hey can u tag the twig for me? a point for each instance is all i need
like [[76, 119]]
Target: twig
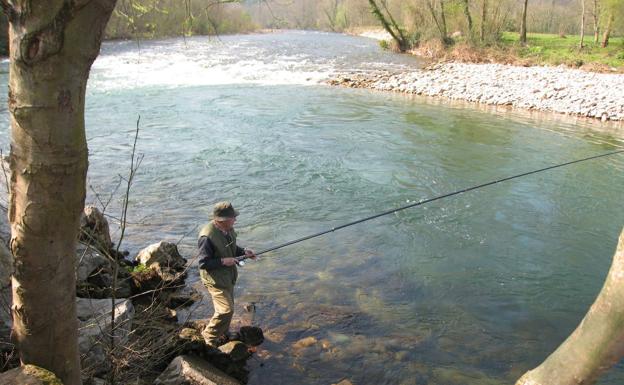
[[124, 216]]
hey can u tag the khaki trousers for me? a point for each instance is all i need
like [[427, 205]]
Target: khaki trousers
[[223, 301]]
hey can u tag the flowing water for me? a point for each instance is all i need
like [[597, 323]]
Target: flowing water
[[475, 289]]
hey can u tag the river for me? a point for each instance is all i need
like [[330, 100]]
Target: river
[[474, 289]]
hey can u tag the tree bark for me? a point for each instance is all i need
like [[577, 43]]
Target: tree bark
[[468, 17], [596, 15], [607, 32], [523, 24], [444, 30], [52, 46], [483, 20], [598, 341], [582, 44], [397, 34]]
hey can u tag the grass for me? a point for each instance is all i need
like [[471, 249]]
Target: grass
[[554, 50]]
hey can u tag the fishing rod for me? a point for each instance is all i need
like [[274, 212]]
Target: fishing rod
[[241, 259]]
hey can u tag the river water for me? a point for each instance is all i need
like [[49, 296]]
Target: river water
[[474, 289]]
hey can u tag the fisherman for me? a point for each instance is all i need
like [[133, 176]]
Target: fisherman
[[217, 269]]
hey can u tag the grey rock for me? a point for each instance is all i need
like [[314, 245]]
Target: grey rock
[[88, 261], [94, 318], [237, 350], [161, 255], [94, 229], [189, 370]]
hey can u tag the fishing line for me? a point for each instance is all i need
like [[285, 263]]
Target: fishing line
[[424, 201]]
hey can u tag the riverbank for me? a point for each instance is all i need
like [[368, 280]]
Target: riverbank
[[552, 89]]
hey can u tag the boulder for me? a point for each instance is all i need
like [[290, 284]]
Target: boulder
[[88, 262], [94, 276], [94, 229], [161, 256], [237, 350], [165, 268], [29, 375], [94, 317], [193, 371]]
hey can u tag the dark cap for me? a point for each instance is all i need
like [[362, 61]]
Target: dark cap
[[224, 210]]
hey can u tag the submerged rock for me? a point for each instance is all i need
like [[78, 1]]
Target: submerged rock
[[193, 371], [251, 335]]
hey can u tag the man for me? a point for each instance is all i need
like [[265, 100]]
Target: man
[[217, 269]]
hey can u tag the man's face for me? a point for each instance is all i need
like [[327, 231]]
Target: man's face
[[228, 224]]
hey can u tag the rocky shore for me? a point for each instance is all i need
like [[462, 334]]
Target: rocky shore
[[552, 89], [151, 344]]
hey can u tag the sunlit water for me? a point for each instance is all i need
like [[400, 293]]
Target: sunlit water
[[474, 289]]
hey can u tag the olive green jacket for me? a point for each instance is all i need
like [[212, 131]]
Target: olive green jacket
[[224, 276]]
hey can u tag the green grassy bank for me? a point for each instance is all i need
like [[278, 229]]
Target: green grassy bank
[[554, 49]]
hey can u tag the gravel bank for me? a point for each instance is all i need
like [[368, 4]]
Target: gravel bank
[[557, 89]]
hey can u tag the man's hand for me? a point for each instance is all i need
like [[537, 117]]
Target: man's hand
[[228, 261], [250, 254]]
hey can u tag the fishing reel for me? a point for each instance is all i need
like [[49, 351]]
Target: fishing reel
[[240, 261]]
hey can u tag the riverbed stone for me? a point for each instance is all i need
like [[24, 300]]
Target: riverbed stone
[[542, 88], [189, 370]]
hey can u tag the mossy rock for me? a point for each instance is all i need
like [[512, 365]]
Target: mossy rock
[[29, 375]]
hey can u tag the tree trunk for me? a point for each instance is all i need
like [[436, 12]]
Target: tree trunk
[[444, 29], [52, 46], [596, 22], [397, 35], [551, 19], [468, 17], [523, 24], [483, 20], [598, 341], [581, 44], [607, 32]]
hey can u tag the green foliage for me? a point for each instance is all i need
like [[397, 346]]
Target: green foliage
[[553, 49], [158, 18], [384, 44], [140, 268]]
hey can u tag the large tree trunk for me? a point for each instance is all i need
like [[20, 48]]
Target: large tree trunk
[[607, 32], [52, 46], [523, 24], [598, 341]]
